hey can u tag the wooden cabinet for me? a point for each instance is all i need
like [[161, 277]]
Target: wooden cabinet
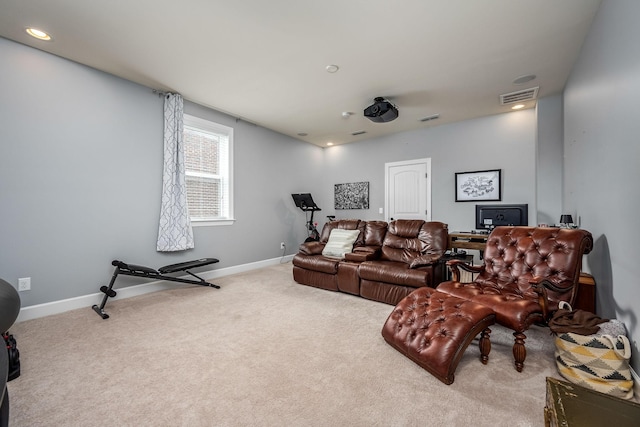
[[570, 405]]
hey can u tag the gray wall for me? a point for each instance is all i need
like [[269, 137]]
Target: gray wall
[[81, 172], [506, 141], [602, 157], [549, 159]]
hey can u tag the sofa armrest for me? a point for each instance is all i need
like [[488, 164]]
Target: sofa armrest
[[311, 248], [424, 260], [363, 253]]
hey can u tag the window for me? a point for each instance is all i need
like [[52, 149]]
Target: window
[[208, 152]]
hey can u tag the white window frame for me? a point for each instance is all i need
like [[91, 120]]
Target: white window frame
[[208, 126]]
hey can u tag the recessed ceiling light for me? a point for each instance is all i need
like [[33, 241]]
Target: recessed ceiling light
[[332, 68], [517, 107], [39, 34], [302, 134], [346, 114], [329, 144], [524, 79]]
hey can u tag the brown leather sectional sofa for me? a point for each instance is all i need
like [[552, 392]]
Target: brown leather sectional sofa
[[388, 261]]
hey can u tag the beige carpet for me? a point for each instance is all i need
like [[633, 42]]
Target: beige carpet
[[261, 351]]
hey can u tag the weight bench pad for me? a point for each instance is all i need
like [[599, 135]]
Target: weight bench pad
[[185, 265], [434, 329], [133, 267]]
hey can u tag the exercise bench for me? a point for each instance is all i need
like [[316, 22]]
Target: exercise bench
[[150, 273]]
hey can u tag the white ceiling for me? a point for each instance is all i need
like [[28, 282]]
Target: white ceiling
[[264, 61]]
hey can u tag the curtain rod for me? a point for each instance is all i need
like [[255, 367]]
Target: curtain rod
[[160, 93], [238, 119]]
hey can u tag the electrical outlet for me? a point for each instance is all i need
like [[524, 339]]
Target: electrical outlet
[[24, 284], [281, 245]]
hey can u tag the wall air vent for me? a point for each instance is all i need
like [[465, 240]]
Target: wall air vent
[[429, 118], [358, 132], [519, 96]]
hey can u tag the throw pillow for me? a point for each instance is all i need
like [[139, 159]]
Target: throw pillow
[[340, 242]]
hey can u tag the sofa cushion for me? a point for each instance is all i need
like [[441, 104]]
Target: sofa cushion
[[316, 263], [401, 242], [311, 248], [397, 273], [374, 233], [340, 242], [343, 224], [513, 309]]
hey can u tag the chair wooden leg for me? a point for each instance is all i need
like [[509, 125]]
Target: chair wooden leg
[[519, 351], [485, 346]]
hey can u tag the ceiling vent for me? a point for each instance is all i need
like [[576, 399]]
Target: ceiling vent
[[429, 118], [519, 96], [359, 132]]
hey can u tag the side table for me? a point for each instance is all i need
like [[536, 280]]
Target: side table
[[586, 296]]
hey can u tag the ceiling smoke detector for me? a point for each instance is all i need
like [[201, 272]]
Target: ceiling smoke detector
[[524, 79]]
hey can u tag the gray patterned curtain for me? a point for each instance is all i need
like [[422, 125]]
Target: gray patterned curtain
[[174, 232]]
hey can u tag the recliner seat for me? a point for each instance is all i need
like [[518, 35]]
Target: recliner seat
[[526, 272]]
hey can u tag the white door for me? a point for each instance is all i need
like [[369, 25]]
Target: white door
[[408, 190]]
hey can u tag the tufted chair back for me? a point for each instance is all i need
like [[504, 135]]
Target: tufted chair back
[[408, 239], [516, 255]]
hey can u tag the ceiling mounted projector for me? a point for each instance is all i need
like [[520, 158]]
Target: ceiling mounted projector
[[381, 111]]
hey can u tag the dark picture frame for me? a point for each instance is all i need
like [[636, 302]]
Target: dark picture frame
[[477, 186]]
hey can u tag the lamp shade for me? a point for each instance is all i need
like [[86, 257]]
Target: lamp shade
[[566, 219]]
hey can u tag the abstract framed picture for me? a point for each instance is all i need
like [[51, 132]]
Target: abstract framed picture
[[354, 195], [479, 186]]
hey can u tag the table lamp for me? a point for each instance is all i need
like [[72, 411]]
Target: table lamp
[[566, 219]]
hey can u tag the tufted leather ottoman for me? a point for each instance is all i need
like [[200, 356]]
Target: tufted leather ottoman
[[434, 329]]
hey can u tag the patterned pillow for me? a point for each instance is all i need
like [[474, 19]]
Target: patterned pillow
[[340, 242]]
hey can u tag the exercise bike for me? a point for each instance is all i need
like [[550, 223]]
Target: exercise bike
[[305, 202]]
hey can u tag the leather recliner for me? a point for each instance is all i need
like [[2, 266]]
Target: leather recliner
[[526, 272], [409, 259], [312, 268]]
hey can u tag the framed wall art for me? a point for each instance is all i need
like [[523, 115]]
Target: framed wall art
[[353, 195], [479, 186]]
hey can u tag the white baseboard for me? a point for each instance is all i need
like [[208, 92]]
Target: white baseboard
[[55, 307]]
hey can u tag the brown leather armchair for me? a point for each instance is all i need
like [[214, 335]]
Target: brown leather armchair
[[526, 272]]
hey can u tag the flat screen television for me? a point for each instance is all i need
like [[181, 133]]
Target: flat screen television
[[491, 216]]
